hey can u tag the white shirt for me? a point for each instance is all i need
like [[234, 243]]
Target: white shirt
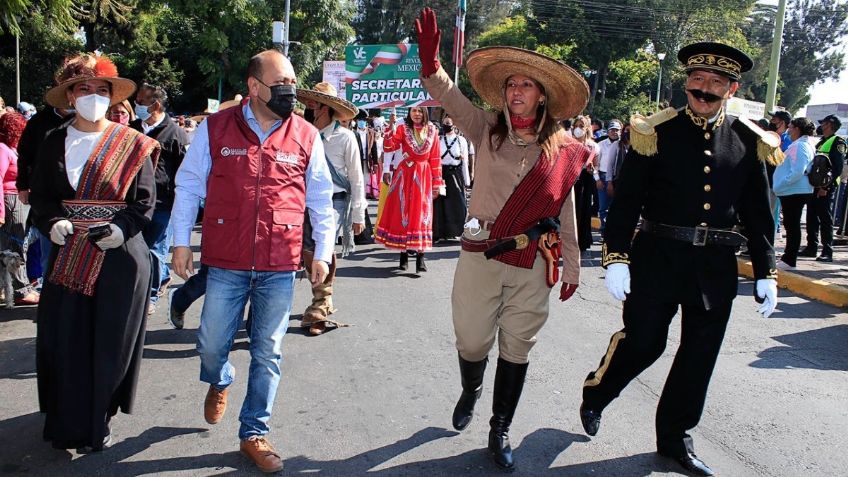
[[340, 147], [78, 148], [608, 151], [149, 127], [458, 154]]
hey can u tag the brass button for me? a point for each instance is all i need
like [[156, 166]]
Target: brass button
[[708, 153], [707, 188], [707, 169], [707, 136], [707, 206]]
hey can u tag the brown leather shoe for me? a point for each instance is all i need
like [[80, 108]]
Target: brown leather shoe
[[260, 451], [215, 405]]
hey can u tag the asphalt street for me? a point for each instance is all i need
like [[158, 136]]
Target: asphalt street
[[376, 398]]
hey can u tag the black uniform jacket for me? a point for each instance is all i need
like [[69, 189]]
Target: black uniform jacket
[[174, 141], [701, 175]]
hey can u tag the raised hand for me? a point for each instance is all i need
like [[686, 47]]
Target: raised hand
[[429, 38]]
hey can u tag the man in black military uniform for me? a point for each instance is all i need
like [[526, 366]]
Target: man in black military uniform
[[688, 174], [819, 215]]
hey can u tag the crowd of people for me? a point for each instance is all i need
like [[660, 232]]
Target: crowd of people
[[106, 187]]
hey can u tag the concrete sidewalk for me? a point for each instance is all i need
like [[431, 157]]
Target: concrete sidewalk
[[821, 281]]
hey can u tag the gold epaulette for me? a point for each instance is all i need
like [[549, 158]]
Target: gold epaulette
[[643, 136], [768, 143]]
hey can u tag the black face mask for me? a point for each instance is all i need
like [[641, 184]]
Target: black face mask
[[309, 115], [283, 98], [819, 131], [708, 97], [772, 127], [447, 129]]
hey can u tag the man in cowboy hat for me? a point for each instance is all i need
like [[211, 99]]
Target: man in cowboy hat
[[689, 173], [258, 166], [325, 110]]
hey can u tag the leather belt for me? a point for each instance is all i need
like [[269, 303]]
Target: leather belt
[[699, 236], [340, 195], [481, 246], [450, 167]]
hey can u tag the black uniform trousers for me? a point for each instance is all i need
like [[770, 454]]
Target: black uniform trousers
[[641, 342], [819, 217], [583, 190]]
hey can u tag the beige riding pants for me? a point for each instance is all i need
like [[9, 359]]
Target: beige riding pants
[[492, 299]]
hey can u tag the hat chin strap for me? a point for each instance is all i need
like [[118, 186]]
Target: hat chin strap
[[511, 133]]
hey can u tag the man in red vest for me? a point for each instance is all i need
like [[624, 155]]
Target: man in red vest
[[259, 168]]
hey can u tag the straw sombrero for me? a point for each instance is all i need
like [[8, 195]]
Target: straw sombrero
[[565, 89], [325, 93], [86, 67], [237, 99]]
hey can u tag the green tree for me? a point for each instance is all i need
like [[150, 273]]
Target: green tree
[[809, 54]]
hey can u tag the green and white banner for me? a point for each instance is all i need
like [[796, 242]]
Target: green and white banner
[[385, 76]]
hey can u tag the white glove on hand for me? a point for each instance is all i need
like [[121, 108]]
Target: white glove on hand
[[767, 289], [618, 280], [60, 230], [114, 240], [443, 190]]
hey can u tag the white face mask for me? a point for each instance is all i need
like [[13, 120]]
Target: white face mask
[[92, 107], [578, 132]]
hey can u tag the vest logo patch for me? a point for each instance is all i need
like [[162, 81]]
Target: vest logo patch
[[287, 157], [226, 151]]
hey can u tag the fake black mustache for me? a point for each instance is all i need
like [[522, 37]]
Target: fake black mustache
[[708, 97]]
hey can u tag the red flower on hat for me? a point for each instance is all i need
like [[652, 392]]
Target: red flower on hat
[[104, 68]]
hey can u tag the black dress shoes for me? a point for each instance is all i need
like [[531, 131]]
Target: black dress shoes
[[692, 464], [590, 419], [824, 258], [808, 252]]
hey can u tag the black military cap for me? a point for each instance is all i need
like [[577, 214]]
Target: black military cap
[[716, 57], [782, 115], [832, 119]]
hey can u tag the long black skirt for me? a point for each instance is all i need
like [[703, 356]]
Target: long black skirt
[[450, 211], [89, 348]]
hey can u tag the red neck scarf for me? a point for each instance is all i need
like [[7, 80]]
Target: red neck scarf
[[522, 123]]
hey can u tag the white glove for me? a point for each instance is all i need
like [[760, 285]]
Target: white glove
[[767, 289], [443, 190], [618, 280], [60, 230], [114, 240]]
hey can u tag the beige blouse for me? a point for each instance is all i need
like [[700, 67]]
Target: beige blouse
[[498, 172]]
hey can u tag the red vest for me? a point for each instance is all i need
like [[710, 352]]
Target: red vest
[[255, 194], [540, 194]]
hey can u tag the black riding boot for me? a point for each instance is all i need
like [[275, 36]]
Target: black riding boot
[[509, 381], [420, 266], [404, 258], [472, 387]]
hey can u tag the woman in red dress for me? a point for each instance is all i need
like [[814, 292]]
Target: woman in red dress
[[407, 220]]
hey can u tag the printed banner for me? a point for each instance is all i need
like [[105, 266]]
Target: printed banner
[[385, 76], [334, 73]]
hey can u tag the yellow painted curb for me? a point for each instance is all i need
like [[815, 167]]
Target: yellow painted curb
[[832, 294]]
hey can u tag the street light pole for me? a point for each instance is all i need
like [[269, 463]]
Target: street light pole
[[286, 33], [774, 64], [661, 57], [18, 68]]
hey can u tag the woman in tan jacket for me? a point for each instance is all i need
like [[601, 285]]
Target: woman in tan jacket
[[526, 168]]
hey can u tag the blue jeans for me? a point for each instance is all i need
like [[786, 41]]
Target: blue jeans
[[157, 235], [270, 295], [603, 201]]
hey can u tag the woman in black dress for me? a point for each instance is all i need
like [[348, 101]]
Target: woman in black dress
[[92, 193]]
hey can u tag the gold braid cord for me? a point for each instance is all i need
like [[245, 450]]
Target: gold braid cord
[[608, 258]]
